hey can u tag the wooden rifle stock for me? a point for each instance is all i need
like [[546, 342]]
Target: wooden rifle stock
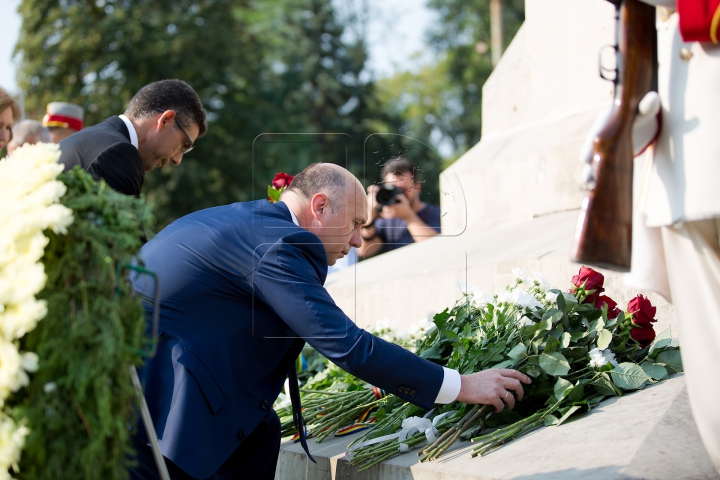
[[604, 234]]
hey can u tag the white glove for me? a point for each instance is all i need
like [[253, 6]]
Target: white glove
[[646, 128]]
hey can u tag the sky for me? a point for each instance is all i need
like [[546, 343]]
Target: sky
[[395, 32]]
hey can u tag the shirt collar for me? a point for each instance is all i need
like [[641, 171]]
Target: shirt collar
[[294, 218], [131, 130]]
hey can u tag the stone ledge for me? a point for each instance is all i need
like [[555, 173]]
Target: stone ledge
[[649, 434]]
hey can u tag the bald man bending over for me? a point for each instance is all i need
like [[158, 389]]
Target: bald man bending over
[[242, 291]]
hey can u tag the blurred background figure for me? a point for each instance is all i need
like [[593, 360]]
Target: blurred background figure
[[9, 114], [28, 132], [63, 119]]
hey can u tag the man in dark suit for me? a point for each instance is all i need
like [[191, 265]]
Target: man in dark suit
[[161, 123], [241, 293]]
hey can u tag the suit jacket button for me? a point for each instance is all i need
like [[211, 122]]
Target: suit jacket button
[[401, 389], [241, 435], [265, 405], [412, 393]]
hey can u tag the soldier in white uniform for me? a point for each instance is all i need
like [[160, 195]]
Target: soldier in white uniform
[[676, 229]]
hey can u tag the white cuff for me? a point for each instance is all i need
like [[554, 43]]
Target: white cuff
[[450, 388]]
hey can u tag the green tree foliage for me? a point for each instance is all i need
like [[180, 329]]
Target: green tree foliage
[[442, 101], [287, 66], [80, 402]]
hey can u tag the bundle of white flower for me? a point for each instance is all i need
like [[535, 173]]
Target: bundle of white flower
[[28, 206]]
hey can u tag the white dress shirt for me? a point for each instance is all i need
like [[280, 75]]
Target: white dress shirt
[[131, 130]]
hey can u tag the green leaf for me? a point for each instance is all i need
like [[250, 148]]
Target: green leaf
[[604, 339], [531, 370], [561, 388], [661, 341], [575, 353], [274, 194], [552, 345], [561, 301], [569, 300], [568, 414], [504, 364], [553, 315], [441, 318], [554, 363], [565, 341], [551, 420], [654, 370], [603, 385], [629, 376], [432, 353], [574, 337], [672, 359], [518, 352]]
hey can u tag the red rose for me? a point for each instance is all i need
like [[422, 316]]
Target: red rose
[[642, 311], [592, 281], [643, 335], [613, 311], [282, 180]]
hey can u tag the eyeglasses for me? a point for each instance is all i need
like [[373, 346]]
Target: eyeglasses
[[192, 145]]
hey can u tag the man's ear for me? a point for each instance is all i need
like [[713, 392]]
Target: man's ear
[[165, 118], [319, 206]]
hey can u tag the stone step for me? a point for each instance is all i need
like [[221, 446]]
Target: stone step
[[648, 434], [419, 280]]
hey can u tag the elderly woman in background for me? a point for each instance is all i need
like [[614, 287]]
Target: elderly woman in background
[[28, 132], [9, 114]]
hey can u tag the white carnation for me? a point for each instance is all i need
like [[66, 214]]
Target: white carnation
[[597, 359]]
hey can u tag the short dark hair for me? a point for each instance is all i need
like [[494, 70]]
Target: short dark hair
[[315, 179], [169, 95], [400, 165]]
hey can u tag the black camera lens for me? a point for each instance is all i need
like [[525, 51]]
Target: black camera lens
[[387, 194]]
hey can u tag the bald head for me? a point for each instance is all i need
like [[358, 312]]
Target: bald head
[[332, 180], [331, 203]]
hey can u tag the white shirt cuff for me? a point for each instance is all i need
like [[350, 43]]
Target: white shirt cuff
[[450, 388]]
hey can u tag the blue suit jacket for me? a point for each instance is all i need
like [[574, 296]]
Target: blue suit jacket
[[241, 292]]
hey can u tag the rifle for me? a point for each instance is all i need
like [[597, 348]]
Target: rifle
[[604, 234]]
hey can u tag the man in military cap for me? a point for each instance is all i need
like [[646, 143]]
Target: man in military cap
[[63, 119]]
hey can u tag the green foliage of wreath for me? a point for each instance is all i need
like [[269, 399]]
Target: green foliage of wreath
[[80, 404]]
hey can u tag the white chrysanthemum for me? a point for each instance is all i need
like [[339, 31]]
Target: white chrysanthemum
[[418, 329], [16, 320], [476, 295], [28, 206], [521, 275], [551, 296], [12, 439], [519, 297], [541, 282]]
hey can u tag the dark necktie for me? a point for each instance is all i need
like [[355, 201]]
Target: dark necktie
[[297, 409]]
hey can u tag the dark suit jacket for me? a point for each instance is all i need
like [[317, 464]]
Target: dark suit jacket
[[241, 292], [104, 150]]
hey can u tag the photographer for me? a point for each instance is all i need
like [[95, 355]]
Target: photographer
[[397, 216]]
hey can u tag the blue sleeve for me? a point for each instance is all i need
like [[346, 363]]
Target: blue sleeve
[[287, 279], [431, 216]]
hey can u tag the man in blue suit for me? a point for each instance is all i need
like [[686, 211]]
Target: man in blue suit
[[242, 291]]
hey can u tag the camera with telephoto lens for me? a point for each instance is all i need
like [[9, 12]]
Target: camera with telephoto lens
[[387, 194]]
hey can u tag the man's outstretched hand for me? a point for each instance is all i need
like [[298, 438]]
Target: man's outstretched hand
[[493, 387]]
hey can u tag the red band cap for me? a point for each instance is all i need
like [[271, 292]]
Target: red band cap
[[61, 121]]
